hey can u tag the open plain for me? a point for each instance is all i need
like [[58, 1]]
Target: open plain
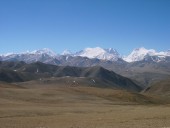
[[79, 107]]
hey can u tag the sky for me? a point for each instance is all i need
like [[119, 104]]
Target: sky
[[78, 24]]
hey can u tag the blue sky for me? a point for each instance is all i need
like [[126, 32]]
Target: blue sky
[[77, 24]]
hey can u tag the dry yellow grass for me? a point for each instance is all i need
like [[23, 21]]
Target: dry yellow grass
[[77, 108]]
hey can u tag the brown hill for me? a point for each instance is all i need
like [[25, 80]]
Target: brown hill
[[160, 88]]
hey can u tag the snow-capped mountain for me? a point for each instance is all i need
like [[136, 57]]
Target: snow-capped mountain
[[99, 53], [141, 53], [48, 56], [44, 51], [66, 52], [7, 54], [43, 55]]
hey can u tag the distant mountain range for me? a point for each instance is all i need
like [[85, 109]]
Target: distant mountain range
[[142, 65], [48, 56]]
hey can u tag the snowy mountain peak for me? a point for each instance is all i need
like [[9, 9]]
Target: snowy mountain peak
[[7, 54], [66, 52], [112, 51], [99, 53], [94, 51], [143, 50], [140, 53], [44, 51]]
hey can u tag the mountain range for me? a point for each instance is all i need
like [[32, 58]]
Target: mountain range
[[142, 65], [47, 55]]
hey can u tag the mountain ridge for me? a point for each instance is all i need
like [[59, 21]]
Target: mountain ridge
[[109, 54], [37, 71], [141, 53]]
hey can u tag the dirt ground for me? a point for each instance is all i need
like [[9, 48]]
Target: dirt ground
[[66, 108]]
